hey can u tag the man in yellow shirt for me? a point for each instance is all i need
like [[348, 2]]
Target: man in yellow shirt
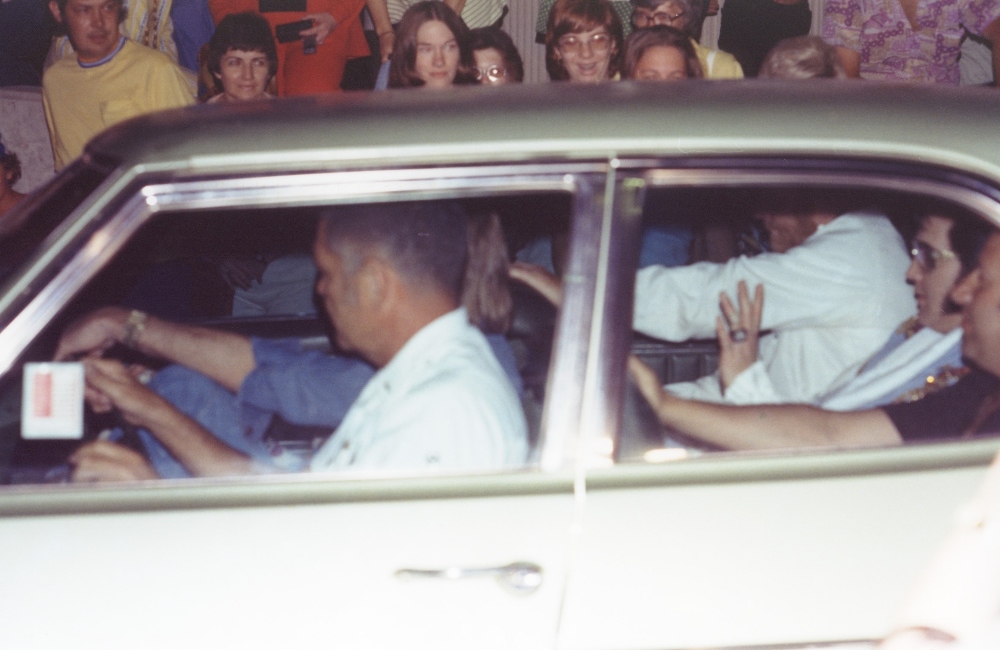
[[109, 79]]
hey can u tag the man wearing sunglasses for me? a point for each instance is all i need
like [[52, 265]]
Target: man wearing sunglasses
[[970, 407], [924, 354]]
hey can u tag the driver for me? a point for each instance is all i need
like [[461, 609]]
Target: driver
[[390, 279]]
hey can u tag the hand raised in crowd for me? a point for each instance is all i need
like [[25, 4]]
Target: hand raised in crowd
[[323, 24], [738, 332], [386, 43]]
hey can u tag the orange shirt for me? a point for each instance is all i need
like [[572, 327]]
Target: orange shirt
[[309, 74]]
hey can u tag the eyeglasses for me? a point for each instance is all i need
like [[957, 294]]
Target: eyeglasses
[[573, 43], [493, 73], [927, 256], [644, 19]]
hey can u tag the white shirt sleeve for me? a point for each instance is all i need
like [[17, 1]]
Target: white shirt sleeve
[[815, 284], [753, 386]]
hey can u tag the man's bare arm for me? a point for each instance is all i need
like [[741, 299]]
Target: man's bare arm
[[195, 447], [992, 34], [225, 357], [764, 427], [379, 12]]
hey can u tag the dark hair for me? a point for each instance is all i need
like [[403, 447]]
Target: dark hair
[[577, 16], [485, 38], [423, 240], [402, 65], [660, 36], [486, 295], [967, 235], [693, 9], [11, 164], [803, 57], [246, 31], [60, 27]]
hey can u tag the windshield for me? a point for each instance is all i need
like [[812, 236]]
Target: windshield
[[23, 230]]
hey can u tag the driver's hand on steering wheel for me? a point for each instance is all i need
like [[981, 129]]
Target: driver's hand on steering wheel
[[102, 461], [112, 385], [92, 334]]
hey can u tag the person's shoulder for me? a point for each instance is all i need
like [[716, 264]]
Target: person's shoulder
[[63, 66], [137, 53]]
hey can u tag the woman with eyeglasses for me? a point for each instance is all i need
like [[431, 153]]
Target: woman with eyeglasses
[[685, 15], [583, 42], [497, 59], [432, 50], [660, 53]]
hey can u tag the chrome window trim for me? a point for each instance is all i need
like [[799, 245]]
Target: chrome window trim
[[948, 189], [971, 199], [311, 188], [273, 491], [572, 353]]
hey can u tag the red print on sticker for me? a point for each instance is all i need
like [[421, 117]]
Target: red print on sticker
[[42, 389]]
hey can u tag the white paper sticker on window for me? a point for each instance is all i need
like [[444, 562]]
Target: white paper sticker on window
[[52, 401]]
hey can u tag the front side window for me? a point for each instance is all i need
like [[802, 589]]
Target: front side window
[[374, 337]]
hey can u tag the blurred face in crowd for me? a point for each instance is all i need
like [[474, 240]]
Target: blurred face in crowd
[[244, 75], [490, 67], [933, 273], [92, 26], [979, 295], [661, 63], [586, 55], [437, 55], [669, 13]]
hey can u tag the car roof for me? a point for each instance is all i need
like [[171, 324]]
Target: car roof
[[930, 124]]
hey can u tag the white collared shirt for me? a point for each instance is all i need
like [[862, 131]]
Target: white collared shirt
[[443, 402], [830, 303]]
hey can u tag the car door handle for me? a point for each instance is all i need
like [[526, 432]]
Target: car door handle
[[520, 577]]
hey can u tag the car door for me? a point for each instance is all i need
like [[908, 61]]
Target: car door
[[295, 560], [687, 546]]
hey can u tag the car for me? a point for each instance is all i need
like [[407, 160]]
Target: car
[[606, 538]]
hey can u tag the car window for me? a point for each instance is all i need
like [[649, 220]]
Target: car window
[[856, 313], [251, 272]]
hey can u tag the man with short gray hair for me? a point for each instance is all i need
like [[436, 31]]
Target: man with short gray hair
[[390, 279]]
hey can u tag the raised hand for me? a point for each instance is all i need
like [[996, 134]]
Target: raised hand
[[323, 24], [738, 332]]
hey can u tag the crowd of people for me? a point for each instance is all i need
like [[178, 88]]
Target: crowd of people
[[900, 348], [116, 59]]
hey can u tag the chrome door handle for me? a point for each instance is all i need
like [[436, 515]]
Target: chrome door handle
[[520, 577]]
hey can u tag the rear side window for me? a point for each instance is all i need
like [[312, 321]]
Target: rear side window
[[855, 310]]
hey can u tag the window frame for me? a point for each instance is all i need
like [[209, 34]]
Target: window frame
[[97, 231], [632, 178]]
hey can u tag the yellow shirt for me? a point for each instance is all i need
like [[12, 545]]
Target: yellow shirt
[[80, 102], [716, 64]]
